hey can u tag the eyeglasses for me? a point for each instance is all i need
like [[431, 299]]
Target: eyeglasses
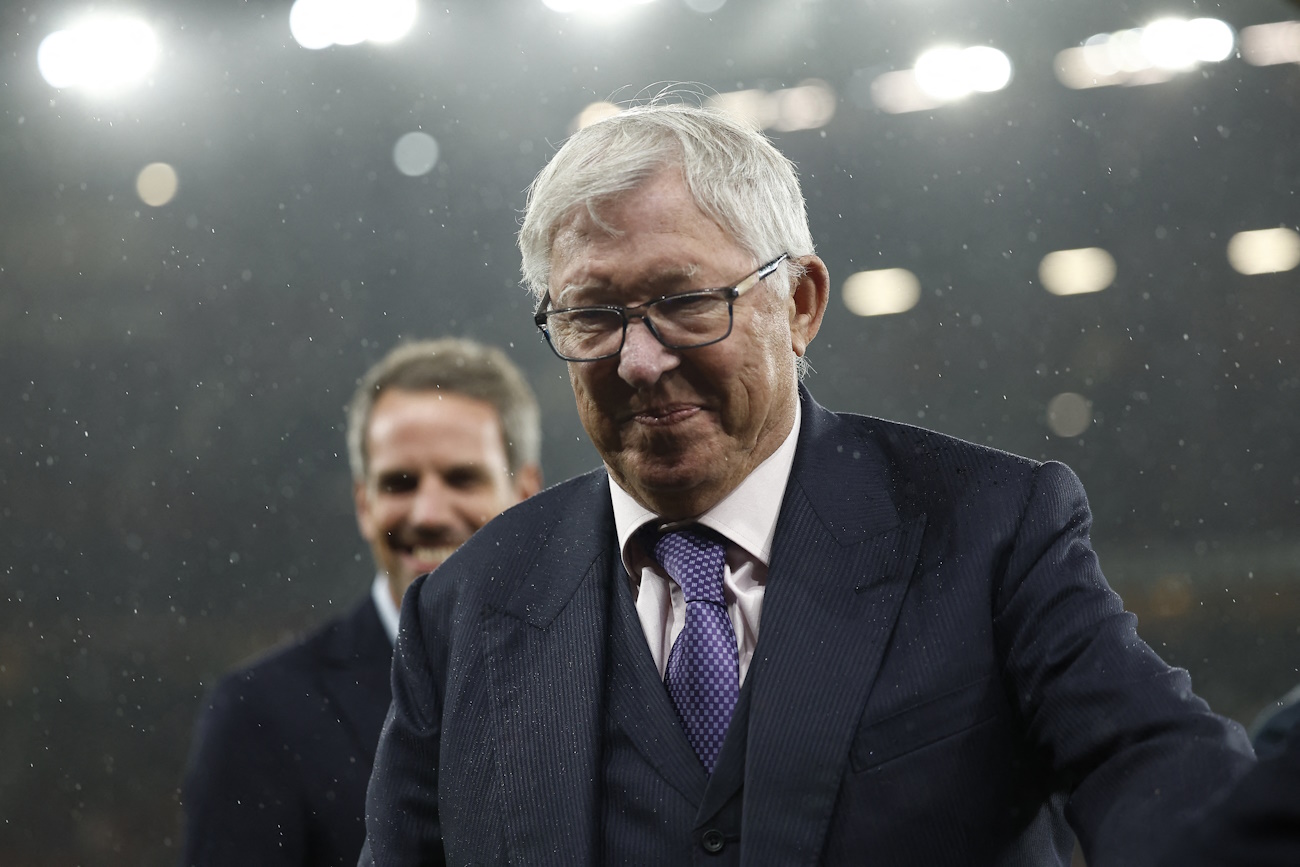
[[686, 321]]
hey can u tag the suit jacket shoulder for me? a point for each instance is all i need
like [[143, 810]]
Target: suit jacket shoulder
[[284, 747]]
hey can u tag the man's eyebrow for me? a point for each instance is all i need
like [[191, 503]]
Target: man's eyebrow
[[666, 279]]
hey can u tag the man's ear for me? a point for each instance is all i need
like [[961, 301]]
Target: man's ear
[[361, 503], [808, 299], [527, 481]]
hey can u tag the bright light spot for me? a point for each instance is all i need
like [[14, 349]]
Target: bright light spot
[[898, 92], [941, 73], [1165, 44], [321, 23], [98, 54], [415, 154], [704, 7], [810, 105], [750, 107], [1269, 44], [1126, 51], [594, 7], [391, 19], [156, 184], [1264, 251], [1211, 40], [951, 73], [878, 293], [310, 25], [988, 68], [1077, 272], [593, 113], [1069, 414], [1080, 68], [1145, 55]]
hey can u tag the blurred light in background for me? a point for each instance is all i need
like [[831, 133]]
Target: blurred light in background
[[704, 7], [899, 92], [597, 7], [810, 105], [942, 75], [322, 23], [592, 113], [415, 154], [99, 54], [951, 73], [1069, 414], [1077, 272], [156, 184], [1269, 44], [878, 293], [1265, 251], [1145, 55]]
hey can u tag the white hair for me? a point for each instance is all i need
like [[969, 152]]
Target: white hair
[[735, 175]]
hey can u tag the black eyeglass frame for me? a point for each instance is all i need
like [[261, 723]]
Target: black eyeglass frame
[[727, 293]]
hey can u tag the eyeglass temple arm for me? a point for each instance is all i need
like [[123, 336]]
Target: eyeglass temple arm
[[539, 315]]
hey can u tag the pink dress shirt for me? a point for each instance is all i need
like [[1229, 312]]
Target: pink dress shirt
[[747, 519]]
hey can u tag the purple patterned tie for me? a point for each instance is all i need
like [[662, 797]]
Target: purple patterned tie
[[703, 677]]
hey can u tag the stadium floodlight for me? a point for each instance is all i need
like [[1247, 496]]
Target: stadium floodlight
[[100, 54], [948, 73], [593, 7], [319, 24]]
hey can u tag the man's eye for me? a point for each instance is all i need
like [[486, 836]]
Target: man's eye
[[466, 478], [396, 483], [592, 320], [690, 305]]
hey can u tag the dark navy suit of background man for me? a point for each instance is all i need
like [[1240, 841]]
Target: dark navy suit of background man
[[941, 676], [442, 435]]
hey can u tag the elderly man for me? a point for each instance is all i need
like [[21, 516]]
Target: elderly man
[[763, 632], [442, 436]]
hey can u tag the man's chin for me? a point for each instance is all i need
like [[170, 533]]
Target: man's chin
[[414, 569], [672, 488]]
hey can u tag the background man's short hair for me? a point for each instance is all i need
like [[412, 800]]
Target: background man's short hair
[[458, 366], [734, 173]]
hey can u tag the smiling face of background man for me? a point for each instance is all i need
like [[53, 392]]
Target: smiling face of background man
[[436, 472]]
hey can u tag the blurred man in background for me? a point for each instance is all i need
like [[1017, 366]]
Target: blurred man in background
[[442, 436]]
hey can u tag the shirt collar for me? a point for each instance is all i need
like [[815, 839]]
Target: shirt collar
[[746, 516], [385, 605]]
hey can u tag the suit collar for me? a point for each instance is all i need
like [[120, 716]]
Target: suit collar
[[841, 563], [544, 650], [577, 532], [356, 657], [844, 475]]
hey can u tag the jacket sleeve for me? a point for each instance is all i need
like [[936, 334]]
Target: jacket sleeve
[[241, 802], [1140, 754], [1257, 825], [402, 821]]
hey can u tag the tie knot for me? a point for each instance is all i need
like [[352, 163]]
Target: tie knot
[[695, 561]]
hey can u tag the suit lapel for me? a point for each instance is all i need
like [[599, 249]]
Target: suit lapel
[[639, 704], [545, 654], [840, 566], [357, 658]]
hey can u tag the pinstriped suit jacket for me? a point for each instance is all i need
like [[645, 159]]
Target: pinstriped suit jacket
[[943, 677]]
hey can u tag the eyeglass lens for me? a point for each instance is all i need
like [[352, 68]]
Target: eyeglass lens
[[679, 322]]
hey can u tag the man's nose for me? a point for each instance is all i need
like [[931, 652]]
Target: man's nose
[[431, 505], [644, 359]]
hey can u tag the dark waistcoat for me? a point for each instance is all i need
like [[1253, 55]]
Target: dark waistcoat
[[658, 805]]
